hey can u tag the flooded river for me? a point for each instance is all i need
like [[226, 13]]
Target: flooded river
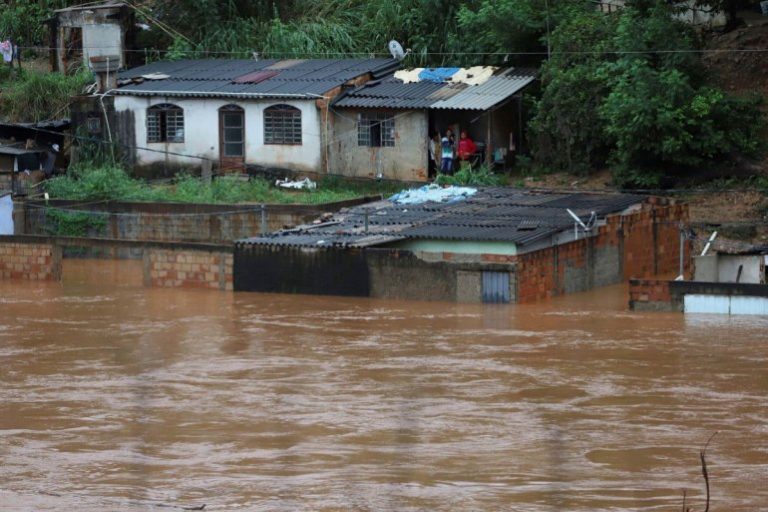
[[118, 398]]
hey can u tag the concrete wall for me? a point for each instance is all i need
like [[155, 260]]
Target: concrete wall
[[724, 268], [457, 246], [103, 40], [208, 223], [752, 268], [30, 261], [184, 268], [406, 161], [201, 133], [696, 15]]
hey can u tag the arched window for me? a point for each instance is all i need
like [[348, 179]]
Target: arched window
[[282, 125], [165, 123]]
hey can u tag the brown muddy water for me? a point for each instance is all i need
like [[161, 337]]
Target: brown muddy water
[[120, 398]]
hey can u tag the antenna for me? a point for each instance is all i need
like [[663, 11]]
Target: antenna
[[396, 49], [586, 227]]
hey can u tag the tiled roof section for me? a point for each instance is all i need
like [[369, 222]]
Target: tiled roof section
[[249, 78], [392, 93], [492, 214]]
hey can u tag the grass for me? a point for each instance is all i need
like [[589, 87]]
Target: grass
[[37, 96], [108, 182]]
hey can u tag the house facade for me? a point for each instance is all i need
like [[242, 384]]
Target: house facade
[[382, 128], [230, 114]]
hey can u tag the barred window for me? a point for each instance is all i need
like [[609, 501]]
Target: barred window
[[93, 122], [376, 129], [282, 125], [165, 123]]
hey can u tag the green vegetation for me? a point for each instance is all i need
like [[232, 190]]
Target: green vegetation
[[628, 91], [111, 182], [66, 223], [35, 96], [482, 176]]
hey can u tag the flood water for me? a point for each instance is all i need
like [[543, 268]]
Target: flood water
[[119, 398]]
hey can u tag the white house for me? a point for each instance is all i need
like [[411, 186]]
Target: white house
[[168, 116]]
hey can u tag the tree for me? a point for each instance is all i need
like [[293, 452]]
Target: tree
[[627, 90]]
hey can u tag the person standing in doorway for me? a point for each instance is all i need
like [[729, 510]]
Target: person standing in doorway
[[446, 156], [467, 149], [434, 154]]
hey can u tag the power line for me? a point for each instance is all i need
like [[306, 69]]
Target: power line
[[388, 55]]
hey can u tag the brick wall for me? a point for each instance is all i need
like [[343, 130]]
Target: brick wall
[[186, 268], [650, 295], [637, 245], [40, 262]]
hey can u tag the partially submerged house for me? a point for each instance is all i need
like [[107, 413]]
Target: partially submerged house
[[469, 245], [168, 116], [381, 128], [93, 29]]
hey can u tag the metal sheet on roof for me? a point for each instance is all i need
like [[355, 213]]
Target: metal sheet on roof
[[393, 93], [485, 96], [211, 77], [492, 214]]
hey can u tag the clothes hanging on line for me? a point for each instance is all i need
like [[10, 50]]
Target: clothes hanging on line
[[6, 49]]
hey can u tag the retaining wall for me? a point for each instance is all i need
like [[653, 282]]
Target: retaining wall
[[30, 261], [175, 222]]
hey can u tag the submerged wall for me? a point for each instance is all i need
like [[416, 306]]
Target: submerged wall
[[29, 261], [185, 268], [635, 245], [698, 297]]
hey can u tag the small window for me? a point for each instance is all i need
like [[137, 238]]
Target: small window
[[282, 125], [165, 123], [93, 123], [376, 129]]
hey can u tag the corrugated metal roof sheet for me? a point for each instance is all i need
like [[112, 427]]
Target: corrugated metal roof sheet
[[212, 78], [492, 214], [393, 93]]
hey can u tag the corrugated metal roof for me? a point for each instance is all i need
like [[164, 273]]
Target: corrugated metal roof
[[249, 78], [393, 93], [492, 214]]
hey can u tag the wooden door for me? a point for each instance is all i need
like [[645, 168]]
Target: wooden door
[[232, 138]]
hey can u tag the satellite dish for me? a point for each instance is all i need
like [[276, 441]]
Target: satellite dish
[[396, 50]]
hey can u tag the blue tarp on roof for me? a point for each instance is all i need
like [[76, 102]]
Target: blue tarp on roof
[[437, 75]]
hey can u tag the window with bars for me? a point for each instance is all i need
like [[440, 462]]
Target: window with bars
[[376, 129], [282, 125], [93, 123], [165, 123]]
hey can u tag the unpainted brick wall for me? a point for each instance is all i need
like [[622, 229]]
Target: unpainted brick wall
[[186, 268], [40, 262], [637, 245], [649, 290]]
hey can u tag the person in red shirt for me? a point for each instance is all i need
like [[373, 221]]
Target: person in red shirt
[[467, 147]]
